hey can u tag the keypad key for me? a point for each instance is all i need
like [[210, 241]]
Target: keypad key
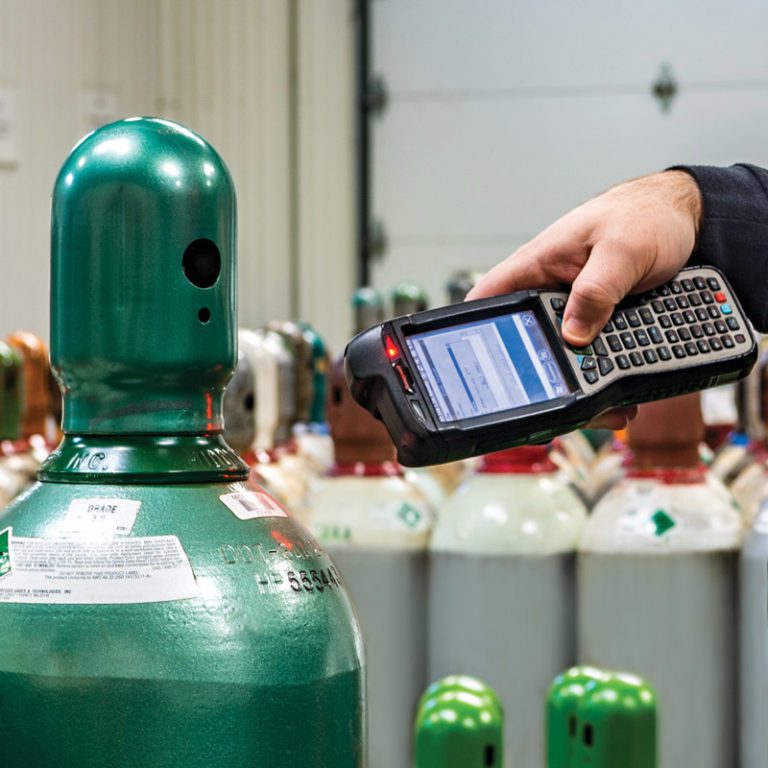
[[682, 302], [695, 300], [713, 284], [614, 343], [720, 326], [655, 335], [727, 342], [664, 353], [720, 297], [678, 351], [632, 318], [670, 304], [608, 327], [684, 333], [740, 338], [642, 338], [715, 345], [675, 287], [663, 291], [696, 331], [709, 329], [588, 364], [687, 285], [672, 337], [707, 297], [732, 323], [726, 309], [628, 340], [621, 323], [636, 358], [650, 356], [702, 314], [689, 316], [714, 312], [703, 346], [677, 318], [622, 361], [604, 365], [591, 377], [700, 283], [557, 304], [646, 315], [665, 321], [599, 347], [658, 306], [691, 348]]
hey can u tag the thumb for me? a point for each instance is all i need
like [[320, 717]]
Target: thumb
[[607, 277]]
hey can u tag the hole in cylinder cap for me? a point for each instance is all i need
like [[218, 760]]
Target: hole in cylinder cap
[[202, 263], [337, 395], [204, 315], [249, 402], [589, 738], [490, 755]]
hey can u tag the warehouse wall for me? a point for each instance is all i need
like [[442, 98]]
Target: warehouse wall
[[268, 82]]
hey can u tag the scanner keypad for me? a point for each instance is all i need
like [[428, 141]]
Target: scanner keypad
[[690, 317]]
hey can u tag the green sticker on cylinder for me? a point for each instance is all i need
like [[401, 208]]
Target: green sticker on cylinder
[[5, 552], [663, 522]]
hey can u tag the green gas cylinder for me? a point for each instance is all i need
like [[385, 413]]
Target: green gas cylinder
[[565, 693], [154, 612], [617, 724], [11, 392], [367, 307], [407, 299], [459, 724], [320, 362]]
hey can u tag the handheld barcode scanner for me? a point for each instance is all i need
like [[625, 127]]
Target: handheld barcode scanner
[[482, 376]]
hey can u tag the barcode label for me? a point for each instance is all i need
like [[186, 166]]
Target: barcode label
[[248, 505]]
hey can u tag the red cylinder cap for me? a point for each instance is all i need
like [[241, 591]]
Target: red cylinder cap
[[528, 459], [667, 433], [357, 435]]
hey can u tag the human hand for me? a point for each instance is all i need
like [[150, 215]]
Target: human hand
[[629, 239]]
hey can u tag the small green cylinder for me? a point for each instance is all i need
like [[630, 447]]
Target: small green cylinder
[[408, 298], [617, 724], [11, 392], [459, 724], [563, 700]]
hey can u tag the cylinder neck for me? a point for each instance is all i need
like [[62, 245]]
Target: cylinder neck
[[529, 459], [364, 469]]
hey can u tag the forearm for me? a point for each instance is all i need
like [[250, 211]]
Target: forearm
[[733, 231]]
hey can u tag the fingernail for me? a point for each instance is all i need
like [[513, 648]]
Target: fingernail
[[578, 328]]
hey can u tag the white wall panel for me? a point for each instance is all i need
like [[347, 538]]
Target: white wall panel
[[51, 50], [326, 166], [503, 115]]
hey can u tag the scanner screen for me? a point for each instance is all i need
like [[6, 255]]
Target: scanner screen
[[488, 366]]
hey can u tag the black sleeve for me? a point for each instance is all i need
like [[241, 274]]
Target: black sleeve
[[733, 235]]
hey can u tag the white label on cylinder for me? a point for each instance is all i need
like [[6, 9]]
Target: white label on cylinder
[[99, 518], [150, 569], [248, 505]]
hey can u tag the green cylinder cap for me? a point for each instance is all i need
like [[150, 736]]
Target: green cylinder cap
[[143, 281], [11, 392], [408, 298], [565, 693], [459, 724], [320, 361], [368, 306], [617, 724]]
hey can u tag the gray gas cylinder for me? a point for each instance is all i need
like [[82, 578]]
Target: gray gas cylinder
[[754, 645], [376, 527], [502, 588], [657, 586]]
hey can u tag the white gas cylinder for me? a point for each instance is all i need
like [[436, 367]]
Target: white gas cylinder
[[502, 588], [657, 595]]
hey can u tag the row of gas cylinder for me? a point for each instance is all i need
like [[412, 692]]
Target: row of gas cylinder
[[537, 558], [513, 569]]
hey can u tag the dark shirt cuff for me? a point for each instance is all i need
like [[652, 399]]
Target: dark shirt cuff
[[733, 234]]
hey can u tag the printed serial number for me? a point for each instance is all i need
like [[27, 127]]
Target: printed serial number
[[316, 579]]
